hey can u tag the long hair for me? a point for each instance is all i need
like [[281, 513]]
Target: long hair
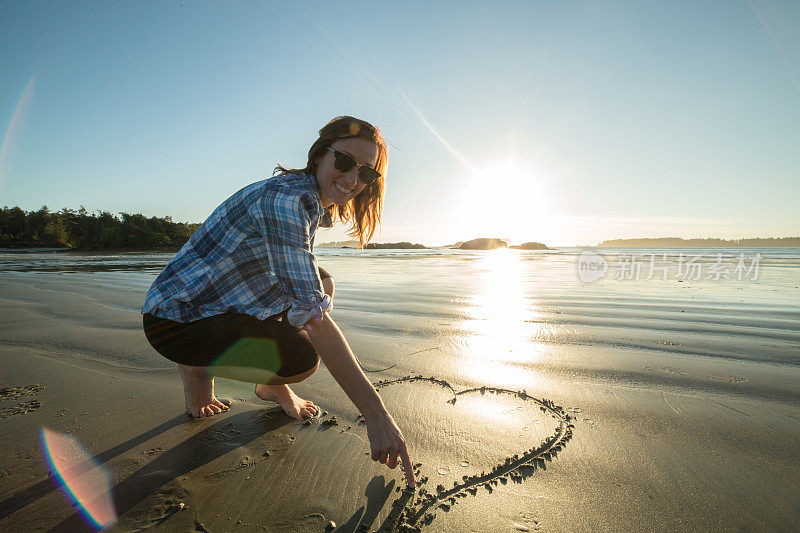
[[364, 210]]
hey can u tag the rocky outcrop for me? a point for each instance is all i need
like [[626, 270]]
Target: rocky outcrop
[[394, 246], [483, 244], [531, 246]]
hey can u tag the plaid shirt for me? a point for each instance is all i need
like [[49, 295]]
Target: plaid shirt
[[253, 255]]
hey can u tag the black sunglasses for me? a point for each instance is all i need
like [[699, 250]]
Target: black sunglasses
[[345, 163]]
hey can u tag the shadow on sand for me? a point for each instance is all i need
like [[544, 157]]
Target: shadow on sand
[[173, 463]]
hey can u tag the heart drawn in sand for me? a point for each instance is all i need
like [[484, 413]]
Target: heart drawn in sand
[[416, 508]]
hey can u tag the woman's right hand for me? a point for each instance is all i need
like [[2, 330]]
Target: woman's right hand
[[387, 444]]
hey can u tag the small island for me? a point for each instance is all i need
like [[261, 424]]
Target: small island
[[483, 244], [493, 244], [338, 244], [394, 246], [530, 246]]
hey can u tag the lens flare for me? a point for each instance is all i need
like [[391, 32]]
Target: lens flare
[[252, 359], [251, 352], [15, 124], [82, 478]]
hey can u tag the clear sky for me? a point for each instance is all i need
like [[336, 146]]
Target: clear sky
[[560, 122]]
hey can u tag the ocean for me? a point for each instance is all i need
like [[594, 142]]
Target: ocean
[[510, 307]]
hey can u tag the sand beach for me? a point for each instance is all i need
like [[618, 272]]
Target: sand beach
[[531, 401]]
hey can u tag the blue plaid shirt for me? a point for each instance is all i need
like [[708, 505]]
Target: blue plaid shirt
[[253, 255]]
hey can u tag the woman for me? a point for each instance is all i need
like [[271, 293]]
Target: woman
[[244, 298]]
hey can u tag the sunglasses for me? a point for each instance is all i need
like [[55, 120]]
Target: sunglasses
[[345, 163]]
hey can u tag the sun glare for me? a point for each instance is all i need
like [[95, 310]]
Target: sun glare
[[506, 201]]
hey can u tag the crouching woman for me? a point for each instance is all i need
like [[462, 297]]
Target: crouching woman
[[245, 299]]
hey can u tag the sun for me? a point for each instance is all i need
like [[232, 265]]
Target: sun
[[506, 201]]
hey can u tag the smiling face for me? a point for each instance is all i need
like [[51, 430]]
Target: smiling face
[[337, 187]]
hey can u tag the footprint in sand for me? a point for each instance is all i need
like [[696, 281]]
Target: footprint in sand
[[164, 503], [20, 409], [11, 393], [527, 525], [154, 451]]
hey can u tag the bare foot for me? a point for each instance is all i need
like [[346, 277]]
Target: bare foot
[[198, 389], [294, 405]]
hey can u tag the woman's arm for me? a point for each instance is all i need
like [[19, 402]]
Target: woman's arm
[[386, 440], [284, 219]]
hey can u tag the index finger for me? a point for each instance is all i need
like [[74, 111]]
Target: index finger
[[408, 466]]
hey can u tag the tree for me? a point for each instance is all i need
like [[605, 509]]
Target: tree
[[79, 229]]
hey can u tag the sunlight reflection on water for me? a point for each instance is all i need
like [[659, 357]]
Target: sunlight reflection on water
[[504, 321]]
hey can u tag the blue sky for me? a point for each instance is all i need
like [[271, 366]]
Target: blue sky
[[560, 122]]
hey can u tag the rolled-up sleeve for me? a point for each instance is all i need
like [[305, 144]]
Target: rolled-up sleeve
[[286, 226]]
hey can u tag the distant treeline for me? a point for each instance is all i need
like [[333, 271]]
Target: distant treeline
[[97, 231], [669, 242]]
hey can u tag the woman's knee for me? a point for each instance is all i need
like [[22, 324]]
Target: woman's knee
[[297, 378], [328, 286]]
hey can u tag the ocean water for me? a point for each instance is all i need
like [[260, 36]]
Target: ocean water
[[512, 307]]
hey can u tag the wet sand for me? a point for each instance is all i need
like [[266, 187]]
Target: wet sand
[[618, 436]]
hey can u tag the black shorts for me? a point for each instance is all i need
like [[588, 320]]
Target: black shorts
[[235, 339]]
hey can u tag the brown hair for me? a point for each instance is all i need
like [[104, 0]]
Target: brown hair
[[363, 211]]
